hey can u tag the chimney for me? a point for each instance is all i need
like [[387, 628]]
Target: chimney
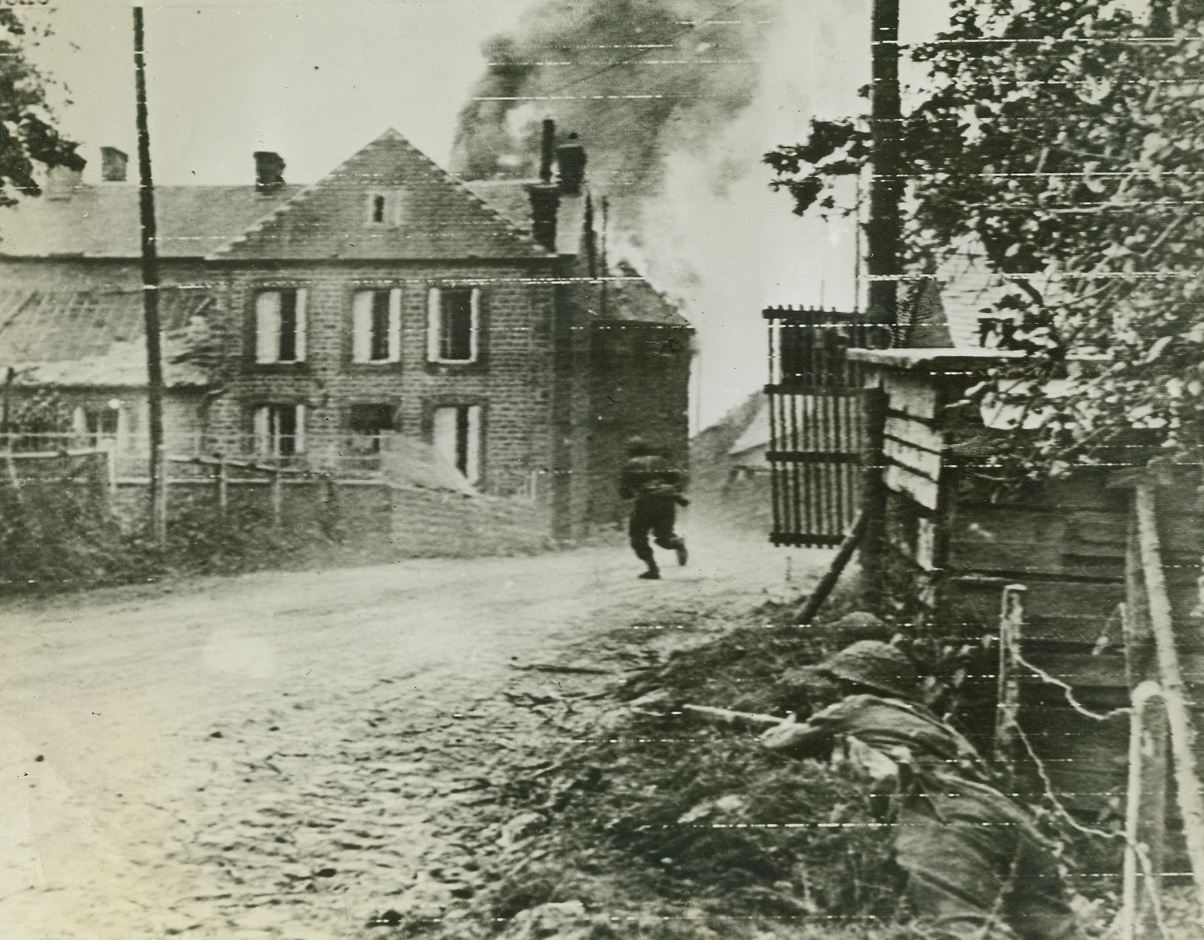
[[547, 144], [269, 172], [112, 164], [545, 195], [62, 182], [570, 161]]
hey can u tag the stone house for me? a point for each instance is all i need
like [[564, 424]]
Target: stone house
[[386, 303]]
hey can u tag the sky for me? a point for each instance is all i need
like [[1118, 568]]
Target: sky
[[315, 80]]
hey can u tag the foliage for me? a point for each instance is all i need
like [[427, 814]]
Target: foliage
[[1064, 142], [42, 411], [27, 133]]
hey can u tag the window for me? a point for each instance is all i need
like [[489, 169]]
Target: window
[[376, 326], [384, 209], [279, 430], [280, 326], [368, 422], [457, 438], [453, 324], [97, 425]]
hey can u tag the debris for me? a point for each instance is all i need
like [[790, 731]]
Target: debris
[[520, 827], [554, 667]]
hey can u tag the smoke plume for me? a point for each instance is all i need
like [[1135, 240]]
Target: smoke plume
[[676, 101]]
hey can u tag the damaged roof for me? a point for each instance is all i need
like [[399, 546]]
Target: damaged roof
[[96, 338]]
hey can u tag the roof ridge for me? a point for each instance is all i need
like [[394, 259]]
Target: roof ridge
[[390, 135]]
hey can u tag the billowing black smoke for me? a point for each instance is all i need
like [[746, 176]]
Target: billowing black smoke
[[635, 79]]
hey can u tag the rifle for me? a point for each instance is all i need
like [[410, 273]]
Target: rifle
[[733, 717]]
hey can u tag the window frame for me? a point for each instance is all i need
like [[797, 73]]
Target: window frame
[[82, 417], [436, 319], [476, 468], [273, 437], [264, 354], [362, 333], [374, 437], [390, 205]]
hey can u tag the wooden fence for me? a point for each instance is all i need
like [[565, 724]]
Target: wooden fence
[[816, 421]]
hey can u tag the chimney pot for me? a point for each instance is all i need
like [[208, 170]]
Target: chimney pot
[[269, 171], [113, 163], [570, 161]]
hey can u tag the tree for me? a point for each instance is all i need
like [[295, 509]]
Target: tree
[[1065, 142], [27, 134]]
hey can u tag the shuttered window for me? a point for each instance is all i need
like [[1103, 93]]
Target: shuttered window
[[280, 325], [457, 438], [376, 326]]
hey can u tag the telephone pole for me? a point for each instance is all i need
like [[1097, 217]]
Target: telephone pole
[[150, 294], [883, 231]]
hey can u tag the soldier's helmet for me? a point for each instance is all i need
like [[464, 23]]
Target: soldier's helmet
[[860, 625], [638, 447], [874, 664]]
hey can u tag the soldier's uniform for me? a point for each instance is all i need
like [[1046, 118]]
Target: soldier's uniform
[[975, 864], [655, 485]]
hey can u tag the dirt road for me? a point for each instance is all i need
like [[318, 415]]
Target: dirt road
[[277, 755]]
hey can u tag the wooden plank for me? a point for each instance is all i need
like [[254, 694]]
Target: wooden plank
[[914, 433], [986, 538], [920, 488], [1070, 612], [1081, 670], [913, 396], [922, 461]]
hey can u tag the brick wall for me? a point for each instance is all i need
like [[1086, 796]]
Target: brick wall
[[511, 379]]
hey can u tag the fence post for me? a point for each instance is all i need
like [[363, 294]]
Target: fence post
[[223, 485], [1007, 709], [159, 522], [1145, 815], [1174, 691], [111, 477], [873, 498], [277, 495], [13, 479]]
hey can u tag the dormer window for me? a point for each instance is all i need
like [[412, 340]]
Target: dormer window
[[383, 209]]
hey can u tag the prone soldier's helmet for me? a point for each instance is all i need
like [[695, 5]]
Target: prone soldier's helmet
[[875, 665], [860, 625]]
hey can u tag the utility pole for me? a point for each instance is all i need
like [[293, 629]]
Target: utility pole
[[150, 294], [884, 230]]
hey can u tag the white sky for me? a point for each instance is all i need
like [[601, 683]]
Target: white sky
[[315, 80]]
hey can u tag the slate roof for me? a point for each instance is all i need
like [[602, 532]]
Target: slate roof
[[103, 221], [440, 218], [94, 338]]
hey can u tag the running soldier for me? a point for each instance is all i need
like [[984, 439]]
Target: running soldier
[[656, 486]]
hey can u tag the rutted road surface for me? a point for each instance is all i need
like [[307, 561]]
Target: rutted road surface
[[279, 755]]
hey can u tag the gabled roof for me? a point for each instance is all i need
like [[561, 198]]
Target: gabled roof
[[439, 217], [94, 338], [103, 221]]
